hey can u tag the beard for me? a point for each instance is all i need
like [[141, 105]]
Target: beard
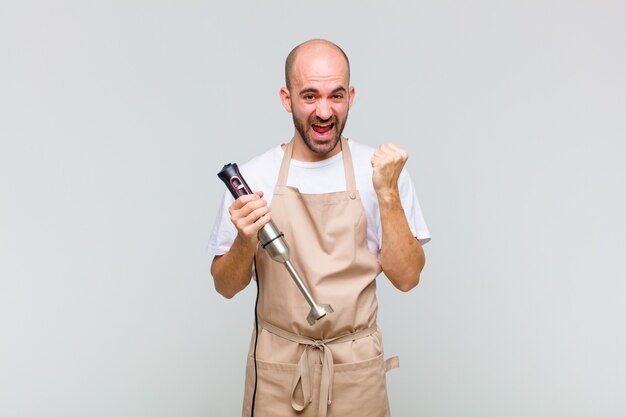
[[302, 128]]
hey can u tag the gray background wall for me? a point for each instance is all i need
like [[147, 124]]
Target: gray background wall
[[115, 117]]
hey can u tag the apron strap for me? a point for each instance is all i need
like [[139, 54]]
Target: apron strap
[[392, 363], [284, 166], [304, 369], [348, 167]]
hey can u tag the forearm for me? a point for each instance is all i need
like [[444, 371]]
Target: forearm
[[402, 257], [233, 270]]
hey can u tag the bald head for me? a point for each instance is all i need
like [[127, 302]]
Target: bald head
[[319, 47]]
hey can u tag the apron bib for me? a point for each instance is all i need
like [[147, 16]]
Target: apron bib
[[335, 367]]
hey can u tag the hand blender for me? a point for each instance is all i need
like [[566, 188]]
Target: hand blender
[[273, 242]]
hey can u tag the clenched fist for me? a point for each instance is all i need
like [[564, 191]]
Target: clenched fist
[[387, 163], [249, 213]]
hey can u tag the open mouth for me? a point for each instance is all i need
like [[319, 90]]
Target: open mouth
[[322, 129]]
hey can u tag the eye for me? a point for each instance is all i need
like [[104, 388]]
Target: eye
[[338, 96], [308, 97]]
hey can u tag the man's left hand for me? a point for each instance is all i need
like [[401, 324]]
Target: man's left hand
[[387, 163]]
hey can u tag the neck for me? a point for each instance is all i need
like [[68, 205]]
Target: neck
[[301, 151]]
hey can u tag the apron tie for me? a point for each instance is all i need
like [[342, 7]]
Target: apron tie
[[306, 364]]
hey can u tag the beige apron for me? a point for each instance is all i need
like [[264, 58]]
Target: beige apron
[[336, 367]]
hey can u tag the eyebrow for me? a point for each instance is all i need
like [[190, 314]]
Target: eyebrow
[[315, 90]]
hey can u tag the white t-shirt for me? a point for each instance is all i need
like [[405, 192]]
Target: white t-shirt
[[261, 174]]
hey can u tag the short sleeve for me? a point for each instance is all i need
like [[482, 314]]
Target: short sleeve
[[412, 209], [224, 231]]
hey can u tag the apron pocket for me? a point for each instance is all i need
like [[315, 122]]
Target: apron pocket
[[273, 391], [360, 389]]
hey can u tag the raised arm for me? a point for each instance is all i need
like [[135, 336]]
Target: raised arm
[[402, 257]]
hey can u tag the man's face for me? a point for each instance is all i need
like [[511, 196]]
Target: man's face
[[319, 100]]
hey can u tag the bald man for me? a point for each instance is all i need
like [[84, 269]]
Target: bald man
[[348, 212]]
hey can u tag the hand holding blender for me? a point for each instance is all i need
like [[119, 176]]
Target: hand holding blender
[[273, 242]]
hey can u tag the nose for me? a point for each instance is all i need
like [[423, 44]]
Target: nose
[[323, 110]]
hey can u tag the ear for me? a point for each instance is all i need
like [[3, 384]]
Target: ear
[[351, 92], [285, 97]]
